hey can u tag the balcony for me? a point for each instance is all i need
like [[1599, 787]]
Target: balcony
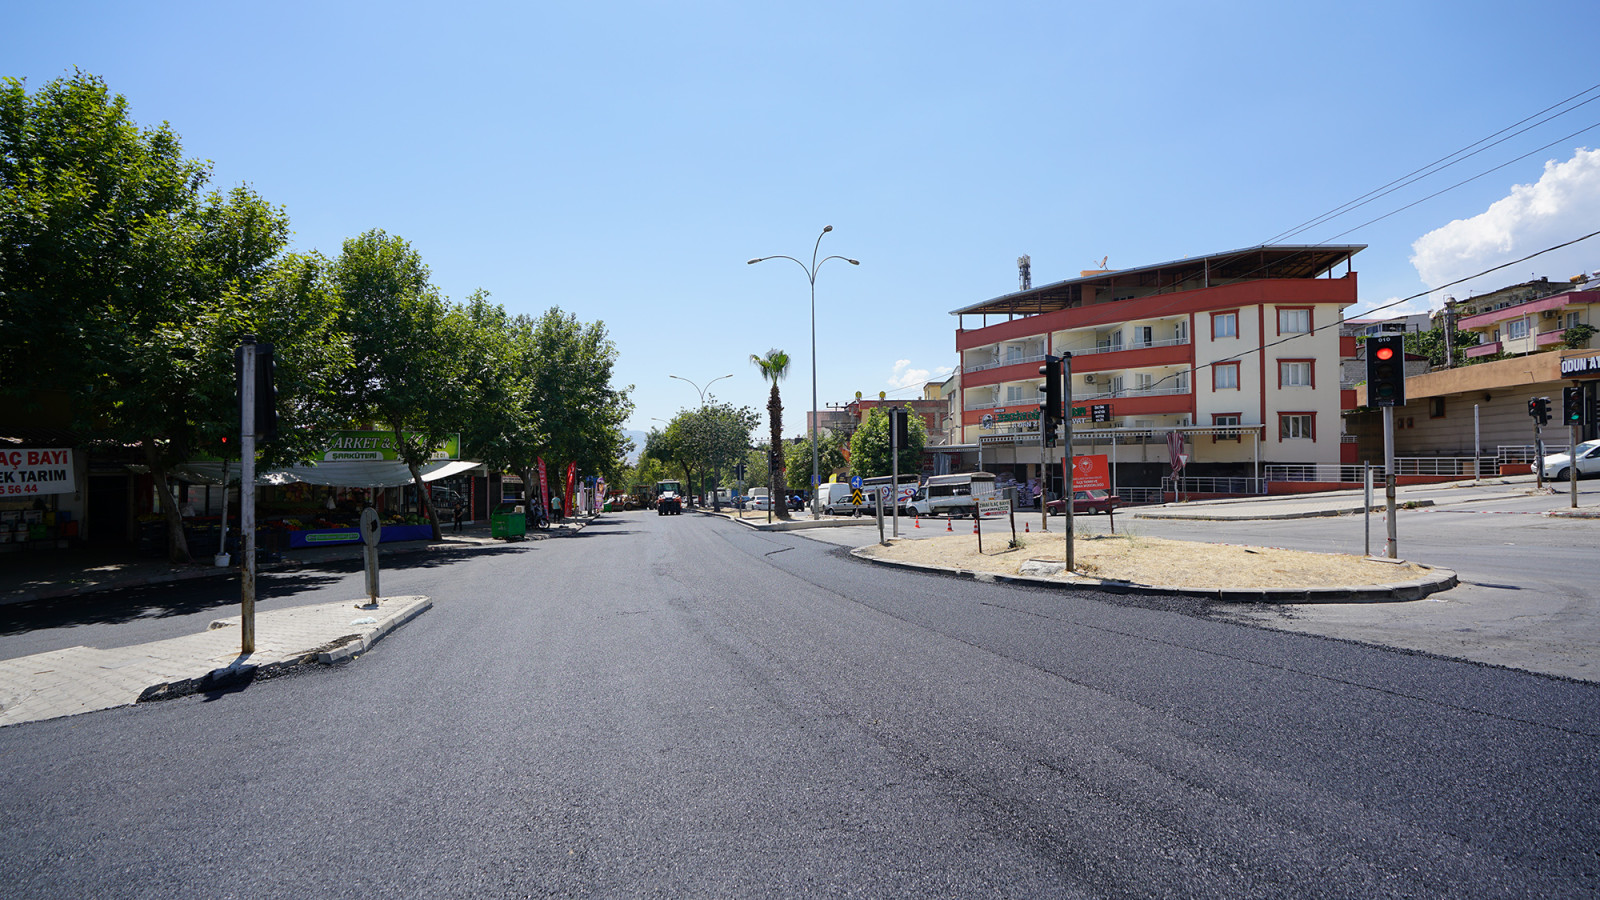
[[1133, 392], [1486, 349], [1114, 346], [1013, 361]]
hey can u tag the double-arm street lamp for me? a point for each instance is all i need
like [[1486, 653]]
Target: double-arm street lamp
[[811, 276], [702, 392]]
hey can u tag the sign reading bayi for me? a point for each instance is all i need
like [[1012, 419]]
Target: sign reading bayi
[[379, 445], [26, 472]]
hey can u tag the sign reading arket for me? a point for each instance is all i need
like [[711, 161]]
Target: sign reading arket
[[376, 445], [27, 472]]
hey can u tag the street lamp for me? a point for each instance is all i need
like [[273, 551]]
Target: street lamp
[[702, 409], [811, 276]]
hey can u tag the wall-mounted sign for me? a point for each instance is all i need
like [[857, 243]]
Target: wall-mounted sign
[[380, 445], [1580, 365], [26, 473]]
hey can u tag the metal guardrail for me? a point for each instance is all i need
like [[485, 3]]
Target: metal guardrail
[[1109, 347], [1139, 496], [1021, 360], [1186, 485]]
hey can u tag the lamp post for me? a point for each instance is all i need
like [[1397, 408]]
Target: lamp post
[[702, 392], [811, 276]]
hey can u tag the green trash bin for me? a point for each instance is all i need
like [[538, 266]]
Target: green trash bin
[[508, 525]]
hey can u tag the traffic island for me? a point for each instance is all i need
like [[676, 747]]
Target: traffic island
[[1133, 564]]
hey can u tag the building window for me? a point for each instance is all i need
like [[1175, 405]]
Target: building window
[[1297, 426], [1022, 393], [1517, 328], [1143, 336], [1573, 319], [1436, 407], [1295, 320], [1294, 373], [1225, 377], [1224, 325], [1224, 420]]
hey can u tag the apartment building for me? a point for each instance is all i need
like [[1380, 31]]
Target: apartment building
[[1237, 353], [1530, 317]]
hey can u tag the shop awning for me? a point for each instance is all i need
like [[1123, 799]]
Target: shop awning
[[338, 473]]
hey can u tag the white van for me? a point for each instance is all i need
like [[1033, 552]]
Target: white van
[[955, 495]]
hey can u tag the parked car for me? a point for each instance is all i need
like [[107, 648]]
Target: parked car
[[1085, 503], [1555, 467]]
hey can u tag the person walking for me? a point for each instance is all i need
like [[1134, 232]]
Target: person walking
[[460, 515]]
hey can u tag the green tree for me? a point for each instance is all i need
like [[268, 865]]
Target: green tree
[[123, 286], [797, 459], [406, 370], [700, 441], [1431, 343], [869, 446], [577, 411], [774, 367]]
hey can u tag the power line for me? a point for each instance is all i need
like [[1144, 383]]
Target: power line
[[1435, 166]]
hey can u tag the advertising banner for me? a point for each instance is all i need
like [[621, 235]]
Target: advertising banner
[[566, 496], [26, 473], [1090, 473], [544, 489], [379, 445]]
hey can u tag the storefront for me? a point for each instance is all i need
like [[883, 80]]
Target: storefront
[[41, 497]]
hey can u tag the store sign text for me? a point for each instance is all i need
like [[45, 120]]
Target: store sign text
[[25, 472]]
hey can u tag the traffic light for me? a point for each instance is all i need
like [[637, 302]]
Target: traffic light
[[1050, 407], [1572, 406], [1386, 370], [266, 421], [1539, 408], [902, 428]]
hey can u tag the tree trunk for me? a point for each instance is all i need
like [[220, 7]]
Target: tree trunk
[[778, 492], [427, 501], [177, 544]]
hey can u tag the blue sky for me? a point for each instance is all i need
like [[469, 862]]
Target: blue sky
[[623, 160]]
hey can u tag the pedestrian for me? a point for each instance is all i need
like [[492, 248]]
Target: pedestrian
[[460, 515]]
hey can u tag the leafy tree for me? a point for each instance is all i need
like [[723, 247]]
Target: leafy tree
[[700, 441], [1431, 343], [122, 285], [499, 423], [577, 412], [1576, 337], [406, 370], [774, 367], [797, 459], [869, 446], [755, 467]]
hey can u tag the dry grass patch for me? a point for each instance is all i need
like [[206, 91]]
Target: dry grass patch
[[1155, 561]]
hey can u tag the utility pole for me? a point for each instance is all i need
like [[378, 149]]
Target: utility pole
[[247, 495]]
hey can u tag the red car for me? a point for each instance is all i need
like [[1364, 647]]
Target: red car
[[1086, 502]]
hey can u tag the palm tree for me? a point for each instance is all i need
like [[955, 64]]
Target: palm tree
[[774, 366]]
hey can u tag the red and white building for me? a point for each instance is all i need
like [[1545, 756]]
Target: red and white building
[[1239, 353]]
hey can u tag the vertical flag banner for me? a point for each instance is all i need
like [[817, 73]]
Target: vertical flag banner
[[544, 489]]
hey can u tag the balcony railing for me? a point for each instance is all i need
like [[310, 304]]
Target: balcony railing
[[1013, 361], [1133, 392], [1112, 347]]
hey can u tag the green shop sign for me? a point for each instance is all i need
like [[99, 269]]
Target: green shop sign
[[379, 445], [1026, 415]]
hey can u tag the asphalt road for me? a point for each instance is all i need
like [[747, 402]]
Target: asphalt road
[[682, 707]]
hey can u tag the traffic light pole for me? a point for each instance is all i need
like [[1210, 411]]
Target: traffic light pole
[[1392, 547], [1572, 468], [247, 497], [1066, 449]]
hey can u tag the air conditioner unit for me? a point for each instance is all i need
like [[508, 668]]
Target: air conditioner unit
[[1551, 314], [1088, 379]]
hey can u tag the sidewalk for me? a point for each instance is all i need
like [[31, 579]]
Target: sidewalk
[[83, 679], [1334, 503], [65, 573]]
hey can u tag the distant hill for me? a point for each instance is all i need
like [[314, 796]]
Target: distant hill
[[638, 438]]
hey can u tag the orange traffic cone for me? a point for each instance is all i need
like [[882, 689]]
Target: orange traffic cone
[[949, 524], [974, 526], [1025, 528], [916, 521]]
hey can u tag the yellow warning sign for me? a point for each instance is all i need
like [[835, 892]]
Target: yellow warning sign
[[855, 498]]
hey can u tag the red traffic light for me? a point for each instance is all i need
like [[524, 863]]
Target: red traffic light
[[1385, 352]]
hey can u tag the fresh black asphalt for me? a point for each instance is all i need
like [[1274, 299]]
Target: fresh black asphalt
[[679, 707]]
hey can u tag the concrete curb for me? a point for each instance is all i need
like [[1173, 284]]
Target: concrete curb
[[1311, 514], [1402, 591], [363, 643], [797, 524]]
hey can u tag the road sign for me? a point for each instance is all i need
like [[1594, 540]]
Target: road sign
[[1100, 412], [999, 507], [855, 482], [1091, 473], [856, 499]]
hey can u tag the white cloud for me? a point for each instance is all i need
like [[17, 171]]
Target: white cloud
[[1562, 205], [905, 376]]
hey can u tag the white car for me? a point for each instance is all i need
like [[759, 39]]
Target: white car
[[1556, 466]]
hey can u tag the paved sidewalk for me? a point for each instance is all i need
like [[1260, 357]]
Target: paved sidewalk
[[84, 679], [1334, 503]]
